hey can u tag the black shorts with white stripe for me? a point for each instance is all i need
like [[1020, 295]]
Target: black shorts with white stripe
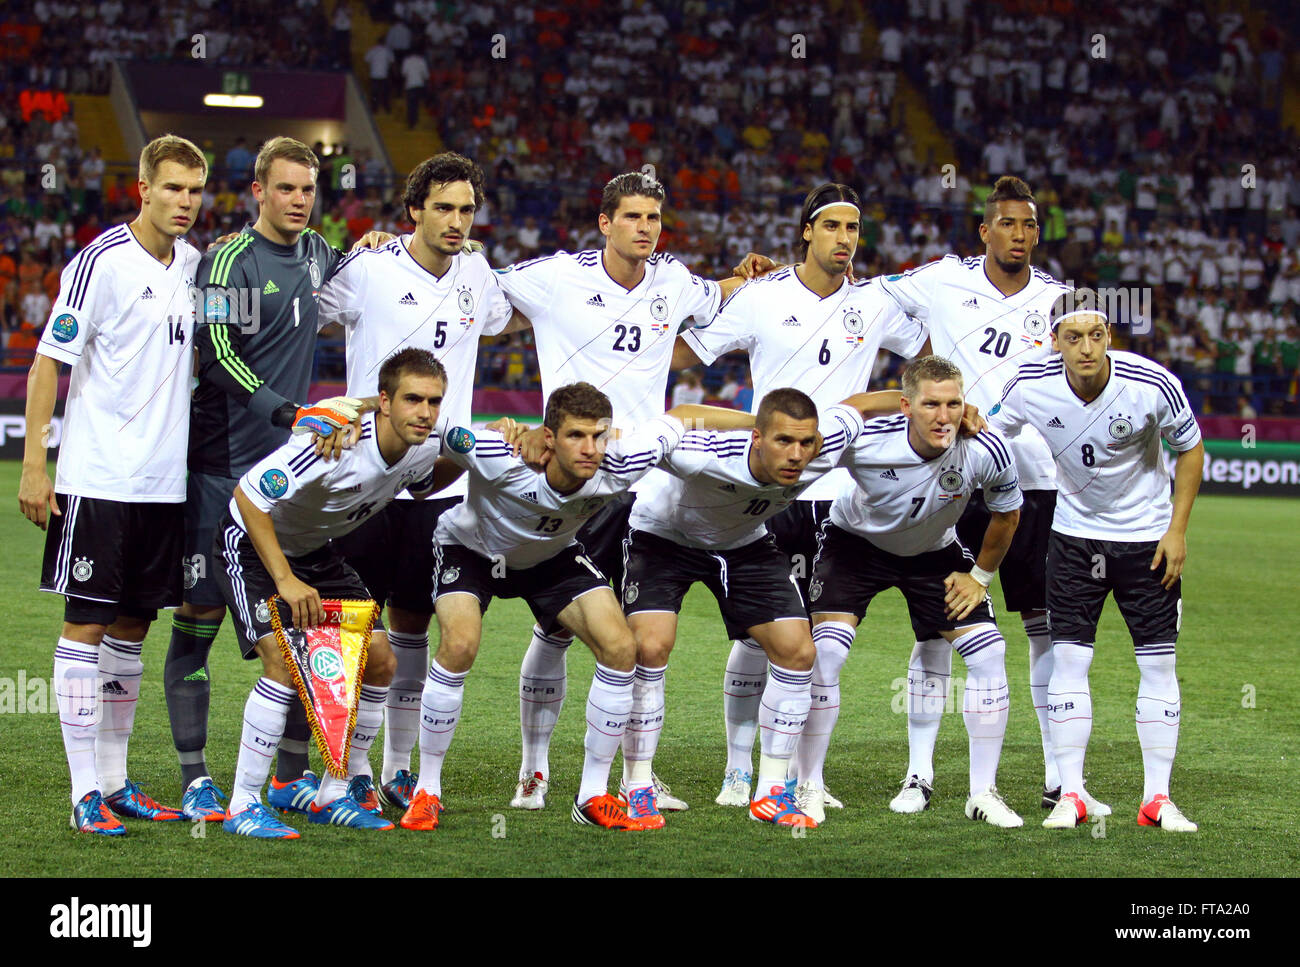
[[1081, 572], [602, 535], [246, 586], [547, 588], [850, 571], [114, 553], [1024, 569], [753, 584], [795, 530]]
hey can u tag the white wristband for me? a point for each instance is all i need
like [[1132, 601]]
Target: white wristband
[[982, 576]]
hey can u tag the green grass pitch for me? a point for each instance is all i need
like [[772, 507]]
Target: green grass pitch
[[1234, 774]]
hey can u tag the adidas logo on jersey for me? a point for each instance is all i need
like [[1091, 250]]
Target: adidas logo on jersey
[[596, 301], [792, 321], [1055, 423], [729, 488], [531, 496], [148, 293], [889, 475], [270, 288], [971, 303], [113, 688], [407, 300]]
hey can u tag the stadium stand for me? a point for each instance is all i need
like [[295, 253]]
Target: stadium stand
[[1164, 165]]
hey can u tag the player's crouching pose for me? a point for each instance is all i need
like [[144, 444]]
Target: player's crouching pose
[[275, 539], [514, 536], [124, 322], [708, 524], [1103, 413], [897, 529]]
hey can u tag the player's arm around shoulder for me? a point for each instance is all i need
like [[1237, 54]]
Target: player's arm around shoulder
[[484, 453], [1009, 414], [731, 327], [721, 419]]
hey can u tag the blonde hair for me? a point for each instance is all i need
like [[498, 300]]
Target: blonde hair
[[170, 147], [933, 368]]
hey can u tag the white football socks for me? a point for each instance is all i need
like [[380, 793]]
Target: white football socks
[[370, 715], [120, 671], [402, 707], [440, 708], [1038, 631], [609, 702], [1159, 710], [928, 674], [985, 702], [542, 682], [265, 713], [1070, 712], [76, 692], [645, 724], [782, 714], [742, 690], [833, 640]]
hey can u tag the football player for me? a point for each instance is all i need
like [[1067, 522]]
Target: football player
[[1103, 413], [124, 322]]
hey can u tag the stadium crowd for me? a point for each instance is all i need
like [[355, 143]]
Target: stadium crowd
[[1159, 167]]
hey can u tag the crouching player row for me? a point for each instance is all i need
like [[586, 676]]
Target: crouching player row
[[911, 471]]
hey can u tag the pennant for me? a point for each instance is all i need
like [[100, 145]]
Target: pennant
[[327, 663]]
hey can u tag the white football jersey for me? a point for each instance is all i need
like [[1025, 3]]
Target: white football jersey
[[824, 347], [124, 322], [589, 328], [312, 501], [987, 335], [712, 500], [908, 505], [1111, 476], [386, 301], [512, 514]]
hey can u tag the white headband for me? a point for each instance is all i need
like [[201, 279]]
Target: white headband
[[1081, 312], [813, 217]]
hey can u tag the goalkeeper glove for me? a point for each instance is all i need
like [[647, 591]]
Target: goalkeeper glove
[[325, 417]]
